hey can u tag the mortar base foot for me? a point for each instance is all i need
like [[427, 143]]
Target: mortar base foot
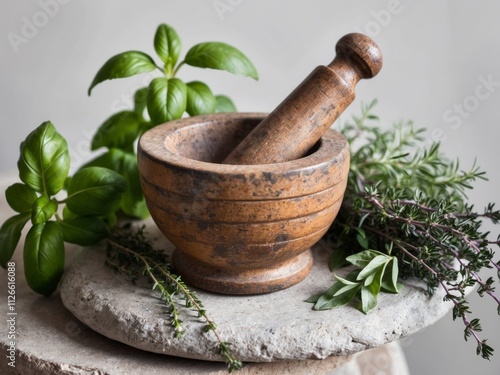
[[242, 282]]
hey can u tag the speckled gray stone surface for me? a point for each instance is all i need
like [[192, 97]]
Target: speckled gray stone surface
[[262, 328], [51, 341]]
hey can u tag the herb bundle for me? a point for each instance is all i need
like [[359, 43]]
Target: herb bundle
[[130, 253], [408, 201]]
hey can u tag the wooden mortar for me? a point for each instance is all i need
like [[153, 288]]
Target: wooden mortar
[[244, 218], [239, 229]]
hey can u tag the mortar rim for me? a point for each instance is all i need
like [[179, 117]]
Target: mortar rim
[[157, 135]]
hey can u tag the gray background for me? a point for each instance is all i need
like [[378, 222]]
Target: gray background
[[437, 55]]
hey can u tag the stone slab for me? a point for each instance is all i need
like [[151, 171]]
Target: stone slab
[[49, 340], [263, 328]]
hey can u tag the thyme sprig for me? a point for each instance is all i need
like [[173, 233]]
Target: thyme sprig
[[129, 252], [404, 197]]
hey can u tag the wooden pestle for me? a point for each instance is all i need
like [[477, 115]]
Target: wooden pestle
[[290, 131]]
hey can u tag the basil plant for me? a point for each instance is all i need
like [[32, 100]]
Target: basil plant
[[166, 98], [83, 216]]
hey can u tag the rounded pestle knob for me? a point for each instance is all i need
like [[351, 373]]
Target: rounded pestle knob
[[295, 126]]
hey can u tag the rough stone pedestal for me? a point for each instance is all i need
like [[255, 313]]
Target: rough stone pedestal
[[262, 328], [51, 341]]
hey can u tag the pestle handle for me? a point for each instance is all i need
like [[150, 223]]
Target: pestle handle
[[290, 131]]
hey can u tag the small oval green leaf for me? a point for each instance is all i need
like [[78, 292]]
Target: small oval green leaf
[[120, 131], [167, 44], [380, 261], [368, 299], [167, 99], [363, 258], [200, 100], [43, 209], [10, 233], [44, 161], [330, 299], [95, 191], [124, 65], [221, 56], [224, 104], [44, 257], [20, 197], [84, 230], [390, 279], [362, 241]]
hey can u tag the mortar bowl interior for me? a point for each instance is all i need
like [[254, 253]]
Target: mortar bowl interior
[[239, 229]]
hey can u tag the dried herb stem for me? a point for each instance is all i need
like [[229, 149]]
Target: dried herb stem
[[128, 250]]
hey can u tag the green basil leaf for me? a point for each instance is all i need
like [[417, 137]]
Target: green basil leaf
[[167, 99], [120, 131], [123, 65], [44, 161], [95, 191], [224, 104], [133, 201], [125, 163], [112, 159], [44, 257], [67, 182], [20, 197], [221, 56], [140, 101], [145, 126], [111, 219], [167, 44], [84, 230], [43, 209], [67, 214], [200, 100], [10, 233]]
